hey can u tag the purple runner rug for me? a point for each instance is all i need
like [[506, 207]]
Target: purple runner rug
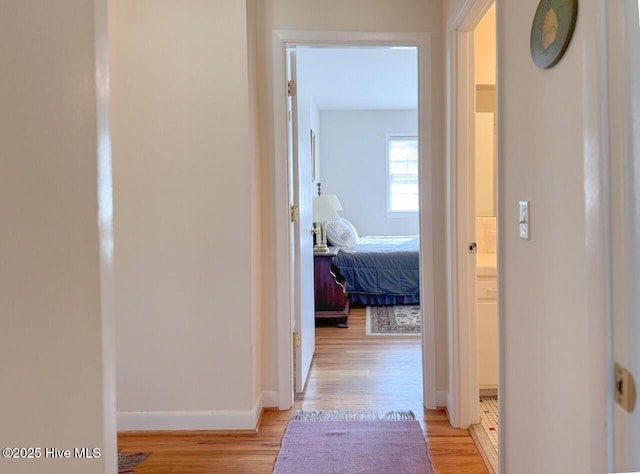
[[331, 443]]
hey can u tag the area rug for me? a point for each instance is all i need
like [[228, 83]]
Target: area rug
[[128, 461], [399, 320], [319, 442]]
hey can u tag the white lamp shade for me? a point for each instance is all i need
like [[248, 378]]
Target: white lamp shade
[[336, 202], [323, 210]]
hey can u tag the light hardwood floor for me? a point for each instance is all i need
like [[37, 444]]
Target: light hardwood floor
[[350, 371]]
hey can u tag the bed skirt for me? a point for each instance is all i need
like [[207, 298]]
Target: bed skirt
[[383, 300]]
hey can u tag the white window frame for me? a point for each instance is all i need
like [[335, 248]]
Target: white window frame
[[394, 136]]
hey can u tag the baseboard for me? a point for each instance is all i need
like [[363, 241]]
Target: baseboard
[[270, 399], [216, 420], [442, 397], [186, 420], [488, 392]]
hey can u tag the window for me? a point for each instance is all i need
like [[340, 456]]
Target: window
[[402, 167]]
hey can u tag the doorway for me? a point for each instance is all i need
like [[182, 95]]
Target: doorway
[[471, 338], [287, 39], [359, 103], [485, 200]]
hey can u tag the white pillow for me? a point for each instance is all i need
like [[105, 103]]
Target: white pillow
[[341, 233]]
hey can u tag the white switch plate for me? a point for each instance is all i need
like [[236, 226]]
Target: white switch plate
[[524, 219]]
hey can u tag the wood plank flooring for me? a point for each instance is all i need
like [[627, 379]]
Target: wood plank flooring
[[350, 371]]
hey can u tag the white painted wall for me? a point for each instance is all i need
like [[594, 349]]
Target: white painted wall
[[485, 48], [551, 320], [353, 166], [484, 44], [352, 15], [183, 171], [256, 220], [553, 342], [57, 376]]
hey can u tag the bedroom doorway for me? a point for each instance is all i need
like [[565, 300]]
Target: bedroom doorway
[[306, 42], [364, 153]]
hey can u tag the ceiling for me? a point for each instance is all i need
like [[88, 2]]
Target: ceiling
[[362, 78]]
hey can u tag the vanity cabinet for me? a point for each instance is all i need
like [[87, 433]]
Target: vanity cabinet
[[487, 314]]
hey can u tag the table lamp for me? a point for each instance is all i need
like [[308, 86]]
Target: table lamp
[[323, 211]]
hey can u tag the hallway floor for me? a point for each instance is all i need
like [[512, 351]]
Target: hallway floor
[[349, 371]]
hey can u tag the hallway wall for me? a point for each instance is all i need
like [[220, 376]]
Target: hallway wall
[[551, 300], [56, 323]]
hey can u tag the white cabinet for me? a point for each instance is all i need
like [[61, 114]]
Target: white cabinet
[[487, 313]]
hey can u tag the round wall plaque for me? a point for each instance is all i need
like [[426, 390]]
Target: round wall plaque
[[551, 31]]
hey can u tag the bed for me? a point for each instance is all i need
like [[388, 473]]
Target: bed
[[377, 270]]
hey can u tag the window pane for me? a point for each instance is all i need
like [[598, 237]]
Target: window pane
[[404, 193], [403, 174]]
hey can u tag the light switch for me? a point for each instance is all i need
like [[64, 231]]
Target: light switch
[[524, 219]]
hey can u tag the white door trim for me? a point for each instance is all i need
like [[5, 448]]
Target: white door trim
[[282, 230], [463, 347], [280, 40], [622, 215]]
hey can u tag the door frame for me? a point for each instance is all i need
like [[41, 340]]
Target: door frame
[[281, 39], [622, 259], [462, 402]]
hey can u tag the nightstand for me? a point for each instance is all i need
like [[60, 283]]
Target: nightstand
[[330, 298]]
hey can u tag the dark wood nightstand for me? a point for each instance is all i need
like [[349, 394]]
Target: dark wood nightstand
[[331, 301]]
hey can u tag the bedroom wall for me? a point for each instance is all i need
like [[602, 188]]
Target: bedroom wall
[[55, 246], [348, 15], [354, 166], [551, 306], [184, 185]]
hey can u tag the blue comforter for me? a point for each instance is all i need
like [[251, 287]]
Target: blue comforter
[[382, 270]]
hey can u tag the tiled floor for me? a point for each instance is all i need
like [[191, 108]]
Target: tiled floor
[[489, 418]]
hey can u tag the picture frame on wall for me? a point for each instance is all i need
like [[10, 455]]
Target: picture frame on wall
[[313, 156]]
